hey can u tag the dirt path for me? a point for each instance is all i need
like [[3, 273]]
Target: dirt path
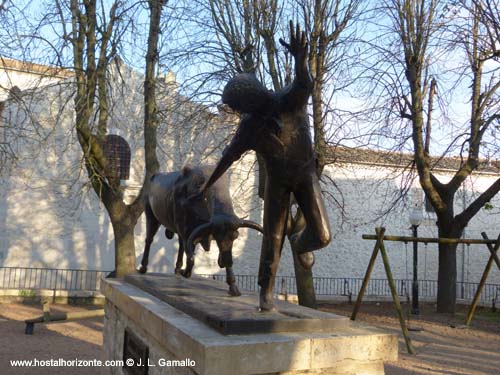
[[441, 349], [71, 340]]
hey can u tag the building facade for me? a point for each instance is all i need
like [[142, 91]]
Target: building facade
[[49, 218]]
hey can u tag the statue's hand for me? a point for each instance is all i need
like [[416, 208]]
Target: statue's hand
[[298, 43]]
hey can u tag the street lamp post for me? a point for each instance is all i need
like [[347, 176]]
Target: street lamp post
[[416, 217]]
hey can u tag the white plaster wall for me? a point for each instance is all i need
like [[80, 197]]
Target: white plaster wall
[[23, 80], [49, 217], [366, 191]]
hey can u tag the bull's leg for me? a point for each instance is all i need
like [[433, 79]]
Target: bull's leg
[[316, 233], [152, 226], [180, 256], [189, 264], [231, 281], [276, 205], [226, 261]]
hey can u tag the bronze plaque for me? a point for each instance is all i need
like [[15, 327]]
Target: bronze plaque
[[135, 355]]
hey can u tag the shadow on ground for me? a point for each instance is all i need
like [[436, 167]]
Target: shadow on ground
[[441, 348], [70, 340]]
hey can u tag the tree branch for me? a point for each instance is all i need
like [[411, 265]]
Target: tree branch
[[478, 203]]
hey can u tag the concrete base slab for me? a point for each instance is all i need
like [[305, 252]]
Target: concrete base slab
[[208, 301], [171, 341]]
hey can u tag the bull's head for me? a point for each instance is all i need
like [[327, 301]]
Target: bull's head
[[224, 229]]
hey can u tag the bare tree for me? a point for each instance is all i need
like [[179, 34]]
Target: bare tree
[[93, 48], [423, 29], [327, 22], [85, 41], [11, 134]]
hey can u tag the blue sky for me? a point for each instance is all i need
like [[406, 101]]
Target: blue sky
[[448, 120]]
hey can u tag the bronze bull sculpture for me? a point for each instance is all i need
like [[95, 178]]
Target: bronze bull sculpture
[[208, 216]]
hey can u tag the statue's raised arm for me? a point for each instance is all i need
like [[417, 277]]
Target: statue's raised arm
[[297, 93]]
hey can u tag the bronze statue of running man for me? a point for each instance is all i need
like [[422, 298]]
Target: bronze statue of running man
[[276, 126]]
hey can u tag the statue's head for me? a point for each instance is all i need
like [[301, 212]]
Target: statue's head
[[245, 94]]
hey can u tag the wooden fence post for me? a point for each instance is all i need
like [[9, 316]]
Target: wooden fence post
[[395, 299], [493, 257], [380, 235]]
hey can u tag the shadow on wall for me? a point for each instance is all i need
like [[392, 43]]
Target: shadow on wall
[[4, 234], [49, 221], [48, 218]]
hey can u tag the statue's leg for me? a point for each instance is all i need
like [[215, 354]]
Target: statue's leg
[[180, 256], [316, 233], [152, 226], [276, 206]]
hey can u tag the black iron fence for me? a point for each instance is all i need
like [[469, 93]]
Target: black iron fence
[[328, 286], [26, 278]]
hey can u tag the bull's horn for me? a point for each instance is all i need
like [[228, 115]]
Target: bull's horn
[[196, 236], [250, 224]]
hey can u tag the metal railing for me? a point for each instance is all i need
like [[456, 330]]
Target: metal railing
[[26, 278], [328, 286]]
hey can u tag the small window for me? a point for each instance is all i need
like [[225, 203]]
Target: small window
[[415, 197], [117, 152]]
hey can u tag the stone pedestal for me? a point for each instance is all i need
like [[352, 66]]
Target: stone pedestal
[[180, 326]]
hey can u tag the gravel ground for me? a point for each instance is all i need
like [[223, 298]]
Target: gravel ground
[[70, 340], [441, 349]]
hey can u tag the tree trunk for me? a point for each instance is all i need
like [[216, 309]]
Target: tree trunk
[[303, 278], [447, 272], [447, 278], [305, 283], [125, 258]]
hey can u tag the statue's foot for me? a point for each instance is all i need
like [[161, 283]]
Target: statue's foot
[[186, 274], [234, 291], [266, 303], [178, 271], [306, 259], [142, 269]]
